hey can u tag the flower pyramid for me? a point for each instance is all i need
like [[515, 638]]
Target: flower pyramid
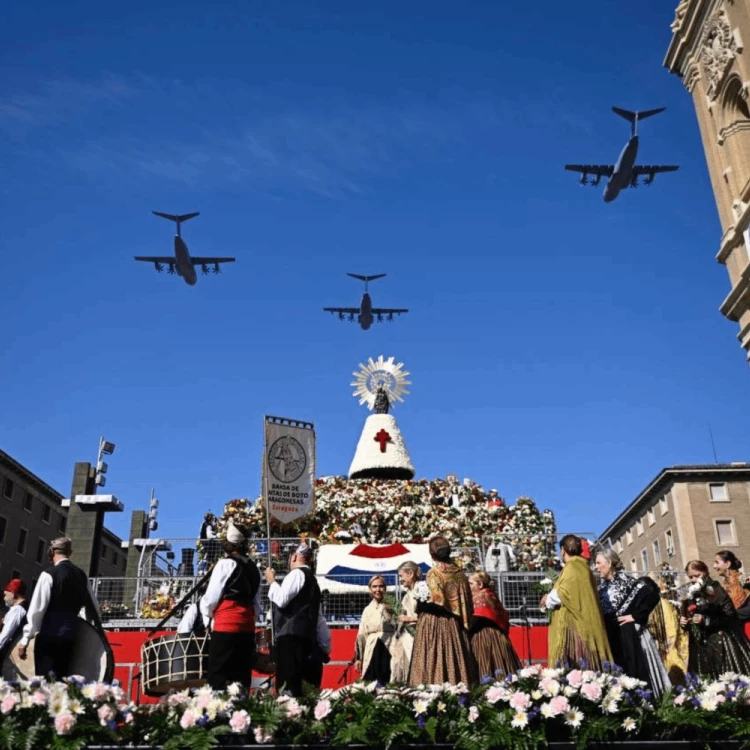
[[378, 511]]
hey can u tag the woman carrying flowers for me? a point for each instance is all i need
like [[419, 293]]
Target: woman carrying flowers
[[728, 567], [372, 656], [441, 646], [402, 644], [718, 642], [492, 649]]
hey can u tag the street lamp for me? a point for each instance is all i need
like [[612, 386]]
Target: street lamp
[[105, 449]]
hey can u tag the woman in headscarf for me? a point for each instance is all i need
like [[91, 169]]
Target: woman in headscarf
[[627, 603], [441, 646], [728, 567], [402, 644], [492, 649], [376, 628], [577, 631], [718, 642]]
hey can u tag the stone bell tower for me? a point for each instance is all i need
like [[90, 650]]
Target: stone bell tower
[[707, 51]]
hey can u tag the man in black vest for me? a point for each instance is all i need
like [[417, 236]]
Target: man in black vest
[[299, 627], [59, 596]]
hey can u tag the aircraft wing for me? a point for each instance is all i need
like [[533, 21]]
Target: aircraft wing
[[343, 310], [210, 261], [649, 170], [157, 258], [387, 311], [602, 170]]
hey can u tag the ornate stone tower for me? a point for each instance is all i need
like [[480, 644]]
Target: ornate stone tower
[[707, 52]]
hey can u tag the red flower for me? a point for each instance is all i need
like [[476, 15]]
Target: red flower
[[692, 608]]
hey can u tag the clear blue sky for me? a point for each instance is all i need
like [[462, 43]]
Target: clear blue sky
[[559, 347]]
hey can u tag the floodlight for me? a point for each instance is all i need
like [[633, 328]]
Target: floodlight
[[100, 480], [154, 504], [102, 467], [107, 447], [153, 525]]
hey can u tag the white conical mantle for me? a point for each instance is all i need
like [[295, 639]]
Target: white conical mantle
[[381, 452]]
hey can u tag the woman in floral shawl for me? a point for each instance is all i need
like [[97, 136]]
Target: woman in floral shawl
[[718, 642], [728, 567], [492, 649], [441, 646], [577, 631], [372, 658]]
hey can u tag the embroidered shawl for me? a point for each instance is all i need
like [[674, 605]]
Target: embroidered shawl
[[486, 604], [449, 588]]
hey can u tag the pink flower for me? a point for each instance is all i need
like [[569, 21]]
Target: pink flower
[[680, 699], [187, 720], [559, 705], [239, 722], [520, 701], [494, 694], [8, 704], [473, 714], [203, 701], [261, 736], [591, 691], [65, 722], [322, 709], [39, 698], [575, 678], [106, 713]]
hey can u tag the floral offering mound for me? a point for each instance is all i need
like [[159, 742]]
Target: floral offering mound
[[527, 710], [383, 511]]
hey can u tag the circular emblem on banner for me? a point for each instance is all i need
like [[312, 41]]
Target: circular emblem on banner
[[287, 459]]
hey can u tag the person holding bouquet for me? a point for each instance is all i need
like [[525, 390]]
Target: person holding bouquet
[[492, 649], [372, 658], [402, 644], [718, 642], [441, 645]]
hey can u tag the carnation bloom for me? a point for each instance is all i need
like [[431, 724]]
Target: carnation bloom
[[8, 703], [473, 714], [106, 713], [65, 722], [322, 709], [592, 692], [239, 722], [187, 720], [519, 700]]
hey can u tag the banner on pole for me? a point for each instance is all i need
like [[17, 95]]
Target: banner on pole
[[288, 469]]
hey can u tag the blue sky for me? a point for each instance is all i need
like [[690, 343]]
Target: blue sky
[[558, 347]]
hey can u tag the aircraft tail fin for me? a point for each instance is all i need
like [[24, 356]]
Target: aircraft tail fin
[[634, 117], [366, 278], [179, 218]]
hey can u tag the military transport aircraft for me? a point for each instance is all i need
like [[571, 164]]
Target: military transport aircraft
[[182, 263], [625, 173], [366, 313]]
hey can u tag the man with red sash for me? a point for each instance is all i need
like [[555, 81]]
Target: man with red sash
[[228, 608]]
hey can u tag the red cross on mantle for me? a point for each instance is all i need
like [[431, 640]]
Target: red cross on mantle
[[382, 437]]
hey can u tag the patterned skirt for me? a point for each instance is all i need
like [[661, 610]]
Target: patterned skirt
[[441, 652], [494, 653]]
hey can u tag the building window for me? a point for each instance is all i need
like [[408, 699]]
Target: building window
[[63, 525], [41, 546], [639, 527], [3, 529], [657, 552], [23, 537], [629, 537], [46, 512], [8, 489], [644, 559], [670, 543], [651, 517], [725, 532], [664, 504], [633, 564], [28, 502], [718, 493]]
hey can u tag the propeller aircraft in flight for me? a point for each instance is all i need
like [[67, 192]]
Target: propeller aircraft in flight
[[625, 173], [366, 313], [182, 263]]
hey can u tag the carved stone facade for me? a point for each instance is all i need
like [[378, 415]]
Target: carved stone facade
[[707, 52]]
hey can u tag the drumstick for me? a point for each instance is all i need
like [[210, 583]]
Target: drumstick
[[177, 607]]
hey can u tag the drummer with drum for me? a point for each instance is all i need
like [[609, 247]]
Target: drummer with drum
[[61, 593], [17, 603]]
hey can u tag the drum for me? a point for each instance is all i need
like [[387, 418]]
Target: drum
[[92, 657], [174, 662]]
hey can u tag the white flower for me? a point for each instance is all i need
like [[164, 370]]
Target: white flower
[[520, 720], [420, 706], [473, 714], [574, 718], [610, 705], [629, 724]]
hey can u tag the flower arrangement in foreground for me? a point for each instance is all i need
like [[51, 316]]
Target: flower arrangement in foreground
[[526, 710], [380, 511]]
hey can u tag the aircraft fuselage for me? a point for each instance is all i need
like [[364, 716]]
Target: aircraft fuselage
[[184, 265], [623, 172], [365, 312]]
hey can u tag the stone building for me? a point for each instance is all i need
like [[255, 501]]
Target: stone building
[[707, 52], [32, 515], [685, 513]]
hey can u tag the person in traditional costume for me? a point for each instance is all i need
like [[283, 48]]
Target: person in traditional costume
[[490, 625], [61, 594], [718, 642], [728, 567], [228, 609], [372, 658], [442, 652], [303, 641], [627, 604], [15, 599], [577, 632], [402, 643]]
